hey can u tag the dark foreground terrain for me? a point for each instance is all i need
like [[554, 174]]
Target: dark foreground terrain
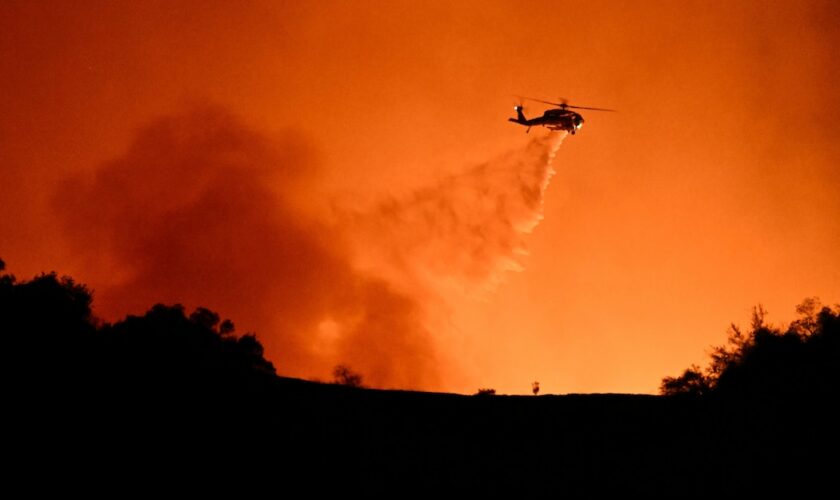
[[326, 437], [174, 404]]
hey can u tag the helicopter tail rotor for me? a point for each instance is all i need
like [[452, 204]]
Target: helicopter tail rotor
[[519, 108]]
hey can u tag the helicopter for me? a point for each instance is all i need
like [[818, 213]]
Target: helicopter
[[560, 118]]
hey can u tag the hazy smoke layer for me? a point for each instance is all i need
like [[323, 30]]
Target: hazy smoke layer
[[203, 211]]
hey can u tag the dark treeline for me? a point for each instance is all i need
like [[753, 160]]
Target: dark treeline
[[55, 345], [145, 400], [799, 361]]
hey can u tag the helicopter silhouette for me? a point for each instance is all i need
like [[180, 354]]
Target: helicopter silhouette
[[560, 118]]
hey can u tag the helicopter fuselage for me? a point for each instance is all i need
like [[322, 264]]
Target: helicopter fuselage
[[554, 119]]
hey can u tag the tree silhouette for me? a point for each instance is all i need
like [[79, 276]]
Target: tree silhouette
[[52, 341], [343, 375], [771, 362]]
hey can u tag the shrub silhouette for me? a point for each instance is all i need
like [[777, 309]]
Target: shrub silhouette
[[486, 392], [165, 345], [691, 382]]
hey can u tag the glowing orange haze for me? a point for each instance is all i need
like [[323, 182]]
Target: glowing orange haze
[[340, 177]]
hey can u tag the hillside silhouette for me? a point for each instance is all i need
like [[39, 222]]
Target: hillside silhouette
[[149, 397]]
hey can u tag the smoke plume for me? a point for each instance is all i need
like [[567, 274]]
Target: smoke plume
[[201, 210]]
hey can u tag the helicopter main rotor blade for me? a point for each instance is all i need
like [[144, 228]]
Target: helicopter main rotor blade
[[546, 102], [565, 104], [592, 109]]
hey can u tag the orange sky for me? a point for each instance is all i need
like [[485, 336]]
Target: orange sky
[[243, 157]]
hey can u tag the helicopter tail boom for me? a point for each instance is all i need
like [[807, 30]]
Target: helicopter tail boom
[[520, 116]]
